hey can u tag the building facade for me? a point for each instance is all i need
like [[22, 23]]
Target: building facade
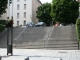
[[24, 11], [34, 8]]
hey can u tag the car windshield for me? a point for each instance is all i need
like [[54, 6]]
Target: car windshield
[[40, 23]]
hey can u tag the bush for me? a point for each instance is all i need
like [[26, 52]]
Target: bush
[[78, 29], [3, 22], [2, 27]]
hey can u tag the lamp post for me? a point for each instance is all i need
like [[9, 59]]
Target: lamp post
[[8, 14], [12, 30], [10, 25]]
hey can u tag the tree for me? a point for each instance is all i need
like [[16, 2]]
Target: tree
[[43, 13], [65, 11], [3, 6]]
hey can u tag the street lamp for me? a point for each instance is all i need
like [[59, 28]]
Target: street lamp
[[9, 25]]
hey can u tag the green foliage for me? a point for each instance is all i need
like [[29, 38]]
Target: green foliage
[[65, 11], [43, 13], [2, 28], [3, 6], [2, 25], [78, 29], [79, 4], [3, 22]]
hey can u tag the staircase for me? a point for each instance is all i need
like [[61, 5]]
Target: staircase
[[56, 38], [32, 38], [3, 39], [62, 38]]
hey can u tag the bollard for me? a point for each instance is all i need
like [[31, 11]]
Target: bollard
[[0, 57], [27, 58]]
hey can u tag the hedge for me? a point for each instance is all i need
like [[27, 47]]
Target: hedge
[[3, 22], [78, 29]]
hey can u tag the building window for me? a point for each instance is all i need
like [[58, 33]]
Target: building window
[[24, 22], [17, 15], [17, 23], [18, 7], [18, 0], [24, 14], [24, 6]]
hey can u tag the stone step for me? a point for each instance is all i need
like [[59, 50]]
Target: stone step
[[64, 48], [55, 46], [61, 42], [30, 47]]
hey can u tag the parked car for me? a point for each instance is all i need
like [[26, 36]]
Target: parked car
[[30, 24], [63, 24], [40, 24], [67, 24]]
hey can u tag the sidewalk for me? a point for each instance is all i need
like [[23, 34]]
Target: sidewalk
[[40, 54]]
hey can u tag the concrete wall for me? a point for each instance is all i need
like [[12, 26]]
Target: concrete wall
[[35, 5], [4, 17]]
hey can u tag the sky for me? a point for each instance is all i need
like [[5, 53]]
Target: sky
[[44, 1]]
